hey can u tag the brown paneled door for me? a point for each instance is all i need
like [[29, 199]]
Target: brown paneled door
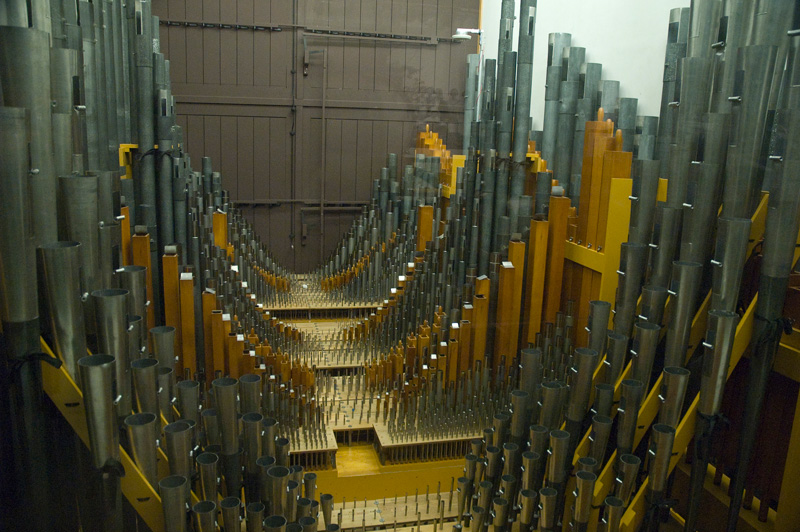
[[248, 79]]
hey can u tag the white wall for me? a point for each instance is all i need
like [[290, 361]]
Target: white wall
[[627, 36]]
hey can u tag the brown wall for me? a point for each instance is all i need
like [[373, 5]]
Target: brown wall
[[233, 89]]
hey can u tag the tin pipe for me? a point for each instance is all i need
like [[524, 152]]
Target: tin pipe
[[255, 517], [207, 467], [204, 516], [276, 523], [163, 341], [597, 325], [665, 242], [97, 377], [631, 395], [270, 435], [684, 289], [282, 451], [59, 264], [211, 426], [733, 236], [663, 439], [326, 502], [225, 393], [548, 509], [278, 483], [232, 472], [231, 514], [653, 303], [143, 429], [603, 399], [631, 269], [601, 431], [178, 436], [616, 354], [250, 393], [112, 337], [134, 279], [643, 351], [165, 397], [173, 491], [584, 489], [627, 470], [612, 516], [145, 384]]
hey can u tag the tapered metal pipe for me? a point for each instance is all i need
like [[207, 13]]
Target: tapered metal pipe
[[511, 459], [205, 516], [134, 279], [519, 418], [173, 490], [717, 347], [97, 378], [143, 429], [631, 269], [548, 509], [632, 392], [603, 399], [685, 285], [557, 465], [585, 362], [292, 493], [654, 300], [282, 451], [278, 483], [643, 351], [494, 462], [304, 509], [528, 500], [584, 492], [599, 312], [733, 236], [178, 437], [59, 265], [326, 502], [165, 397], [207, 467], [499, 512], [673, 391], [264, 463], [627, 469], [188, 397], [250, 393], [270, 434], [663, 439], [211, 427], [78, 221], [255, 517], [230, 508], [232, 472], [601, 431], [163, 341], [112, 338], [550, 416], [310, 485], [225, 392], [616, 354], [643, 200], [251, 424], [485, 493], [612, 517]]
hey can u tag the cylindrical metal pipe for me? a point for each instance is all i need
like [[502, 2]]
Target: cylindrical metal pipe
[[173, 490], [143, 429], [112, 338], [230, 508], [632, 392], [205, 516], [627, 469], [225, 393], [255, 517], [178, 437], [163, 341], [97, 378]]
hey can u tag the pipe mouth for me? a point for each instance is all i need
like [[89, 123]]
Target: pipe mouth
[[530, 455], [605, 387], [164, 371], [648, 326], [307, 521], [281, 442], [677, 370], [310, 477], [61, 244], [230, 502], [250, 378], [528, 494], [207, 458], [161, 329], [269, 422], [615, 502], [586, 475], [177, 427], [278, 472], [252, 417], [224, 382], [630, 459], [303, 502], [138, 420], [91, 361], [144, 363], [560, 434], [723, 314], [547, 492], [520, 393], [255, 507], [333, 527], [603, 420], [632, 383], [617, 337], [188, 385], [133, 268], [274, 521], [133, 318], [205, 507], [325, 497], [687, 264], [172, 482], [110, 292], [511, 447], [292, 485], [663, 428], [265, 461], [600, 303], [212, 412]]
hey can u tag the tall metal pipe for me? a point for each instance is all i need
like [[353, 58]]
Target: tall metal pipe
[[145, 384], [97, 377], [143, 429], [173, 491], [112, 338], [208, 472], [684, 289], [59, 264], [631, 395], [205, 516]]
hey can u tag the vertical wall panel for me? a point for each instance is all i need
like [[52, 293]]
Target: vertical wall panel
[[233, 89]]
